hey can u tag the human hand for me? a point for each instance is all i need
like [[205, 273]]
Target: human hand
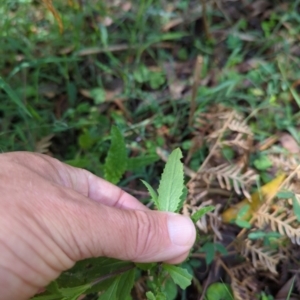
[[52, 215]]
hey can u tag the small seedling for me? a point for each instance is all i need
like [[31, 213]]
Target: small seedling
[[170, 197]]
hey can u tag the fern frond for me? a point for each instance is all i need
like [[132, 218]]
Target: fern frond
[[230, 177], [243, 281], [43, 145], [241, 127], [284, 162], [261, 258], [239, 141], [280, 220]]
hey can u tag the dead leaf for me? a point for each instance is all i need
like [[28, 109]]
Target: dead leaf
[[268, 191], [289, 143], [51, 8], [284, 292]]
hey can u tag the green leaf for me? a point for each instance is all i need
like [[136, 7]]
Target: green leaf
[[209, 250], [285, 195], [135, 163], [74, 291], [13, 96], [145, 266], [262, 163], [182, 198], [296, 208], [126, 282], [116, 160], [171, 289], [243, 212], [111, 292], [98, 94], [53, 288], [150, 296], [242, 223], [180, 276], [201, 212], [221, 249], [219, 291], [161, 296], [171, 184], [158, 296], [86, 141], [152, 192]]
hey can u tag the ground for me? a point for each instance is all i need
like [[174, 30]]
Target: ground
[[218, 79]]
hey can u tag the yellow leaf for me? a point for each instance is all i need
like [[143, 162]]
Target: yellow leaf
[[49, 5], [269, 190]]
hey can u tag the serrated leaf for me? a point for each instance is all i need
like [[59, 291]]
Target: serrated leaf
[[152, 192], [171, 184], [180, 276], [116, 160], [201, 212], [182, 198]]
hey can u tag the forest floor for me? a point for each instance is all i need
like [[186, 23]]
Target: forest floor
[[219, 79]]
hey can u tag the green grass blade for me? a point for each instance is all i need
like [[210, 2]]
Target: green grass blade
[[13, 96]]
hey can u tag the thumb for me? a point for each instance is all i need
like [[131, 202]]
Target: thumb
[[135, 235]]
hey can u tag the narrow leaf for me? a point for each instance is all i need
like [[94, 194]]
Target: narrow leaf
[[180, 276], [116, 160], [296, 207], [125, 284], [111, 292], [135, 163], [13, 96], [152, 192], [74, 292], [201, 212], [171, 183]]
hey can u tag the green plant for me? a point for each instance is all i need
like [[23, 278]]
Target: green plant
[[170, 197]]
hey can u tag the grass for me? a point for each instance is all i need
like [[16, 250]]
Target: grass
[[126, 65]]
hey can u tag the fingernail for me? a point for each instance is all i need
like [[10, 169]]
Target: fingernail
[[182, 231]]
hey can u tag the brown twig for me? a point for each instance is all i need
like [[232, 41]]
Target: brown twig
[[113, 274], [205, 22], [197, 77], [215, 146]]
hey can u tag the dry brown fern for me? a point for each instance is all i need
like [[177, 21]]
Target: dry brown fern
[[261, 257], [229, 177], [281, 220], [284, 162], [243, 281], [42, 146]]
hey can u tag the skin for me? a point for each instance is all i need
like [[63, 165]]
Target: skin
[[52, 215]]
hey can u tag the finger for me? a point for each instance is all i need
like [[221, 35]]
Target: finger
[[77, 179], [135, 235]]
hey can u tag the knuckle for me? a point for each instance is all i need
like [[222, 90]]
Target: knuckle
[[146, 230]]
